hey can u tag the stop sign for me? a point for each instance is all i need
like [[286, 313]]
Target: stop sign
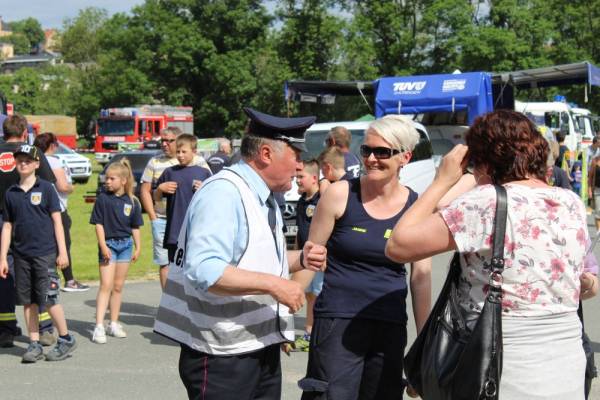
[[7, 162]]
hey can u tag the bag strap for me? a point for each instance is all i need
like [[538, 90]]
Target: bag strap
[[499, 232]]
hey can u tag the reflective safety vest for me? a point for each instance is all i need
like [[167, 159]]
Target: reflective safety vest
[[225, 325]]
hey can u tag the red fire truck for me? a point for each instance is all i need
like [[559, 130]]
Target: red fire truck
[[132, 126]]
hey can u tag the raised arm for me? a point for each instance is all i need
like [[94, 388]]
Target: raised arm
[[420, 221]]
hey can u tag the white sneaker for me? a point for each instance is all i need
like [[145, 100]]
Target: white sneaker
[[115, 329], [99, 335]]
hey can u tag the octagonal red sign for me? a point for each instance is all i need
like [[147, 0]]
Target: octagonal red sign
[[7, 162]]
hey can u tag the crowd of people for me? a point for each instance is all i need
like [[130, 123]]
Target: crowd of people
[[230, 286]]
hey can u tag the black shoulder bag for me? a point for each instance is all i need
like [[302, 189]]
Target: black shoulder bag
[[456, 359]]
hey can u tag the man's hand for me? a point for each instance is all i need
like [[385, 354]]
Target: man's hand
[[3, 269], [315, 256], [62, 261], [288, 293], [168, 187]]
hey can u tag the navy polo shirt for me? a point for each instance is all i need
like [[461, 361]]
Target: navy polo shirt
[[352, 166], [304, 213], [30, 213], [118, 215], [217, 161], [178, 202]]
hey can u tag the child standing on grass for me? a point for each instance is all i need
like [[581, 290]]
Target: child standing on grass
[[308, 186], [178, 184], [32, 210], [117, 215]]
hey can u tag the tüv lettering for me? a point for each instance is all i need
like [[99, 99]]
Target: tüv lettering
[[409, 86]]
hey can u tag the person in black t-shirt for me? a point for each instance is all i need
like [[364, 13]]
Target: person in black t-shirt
[[340, 137], [117, 215], [178, 184], [15, 135], [221, 158]]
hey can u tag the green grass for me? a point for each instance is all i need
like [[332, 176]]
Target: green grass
[[84, 246]]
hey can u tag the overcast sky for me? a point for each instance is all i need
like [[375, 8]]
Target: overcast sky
[[51, 13]]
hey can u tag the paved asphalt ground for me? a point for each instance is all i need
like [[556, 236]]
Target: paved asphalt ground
[[144, 365]]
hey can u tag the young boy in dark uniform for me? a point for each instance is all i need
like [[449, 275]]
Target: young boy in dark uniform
[[15, 133], [32, 209], [308, 186], [178, 184]]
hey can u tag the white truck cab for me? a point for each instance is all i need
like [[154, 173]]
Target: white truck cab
[[556, 115]]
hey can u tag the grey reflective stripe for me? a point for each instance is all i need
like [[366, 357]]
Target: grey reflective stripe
[[230, 310], [204, 334]]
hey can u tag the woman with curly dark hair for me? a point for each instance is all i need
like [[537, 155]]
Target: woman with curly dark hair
[[544, 250]]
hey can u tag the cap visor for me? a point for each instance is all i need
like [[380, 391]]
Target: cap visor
[[298, 146], [18, 153]]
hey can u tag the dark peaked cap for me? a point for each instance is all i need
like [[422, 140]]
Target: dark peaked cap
[[290, 130]]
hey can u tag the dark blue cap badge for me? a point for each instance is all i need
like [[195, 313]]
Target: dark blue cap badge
[[290, 130]]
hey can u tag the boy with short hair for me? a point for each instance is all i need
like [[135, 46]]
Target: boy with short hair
[[308, 186], [178, 184], [32, 209], [332, 165]]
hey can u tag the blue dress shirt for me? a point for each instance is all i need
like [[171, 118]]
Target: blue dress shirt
[[216, 226]]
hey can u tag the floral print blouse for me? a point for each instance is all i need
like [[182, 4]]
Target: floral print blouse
[[544, 248]]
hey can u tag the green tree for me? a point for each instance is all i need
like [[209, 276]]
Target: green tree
[[32, 29], [310, 38], [442, 27], [515, 34], [19, 42], [79, 38], [207, 54], [384, 34]]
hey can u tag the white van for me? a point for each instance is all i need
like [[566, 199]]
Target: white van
[[417, 175]]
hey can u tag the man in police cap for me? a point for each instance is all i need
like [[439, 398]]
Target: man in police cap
[[228, 299]]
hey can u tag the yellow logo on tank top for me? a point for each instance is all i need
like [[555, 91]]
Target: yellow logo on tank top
[[387, 234], [357, 229]]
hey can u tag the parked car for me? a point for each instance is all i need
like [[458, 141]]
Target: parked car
[[418, 174], [79, 166], [138, 160]]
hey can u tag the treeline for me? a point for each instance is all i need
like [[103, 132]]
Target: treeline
[[219, 55]]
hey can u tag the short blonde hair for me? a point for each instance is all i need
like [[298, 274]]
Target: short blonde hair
[[398, 130], [332, 156], [311, 167], [186, 138], [341, 136]]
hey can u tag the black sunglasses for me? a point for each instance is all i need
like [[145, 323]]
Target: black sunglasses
[[167, 140], [380, 153]]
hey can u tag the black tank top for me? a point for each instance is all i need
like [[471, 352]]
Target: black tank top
[[360, 281], [597, 177]]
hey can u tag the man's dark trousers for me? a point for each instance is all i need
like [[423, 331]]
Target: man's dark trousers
[[250, 376]]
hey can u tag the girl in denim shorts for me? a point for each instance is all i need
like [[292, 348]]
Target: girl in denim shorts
[[117, 216]]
